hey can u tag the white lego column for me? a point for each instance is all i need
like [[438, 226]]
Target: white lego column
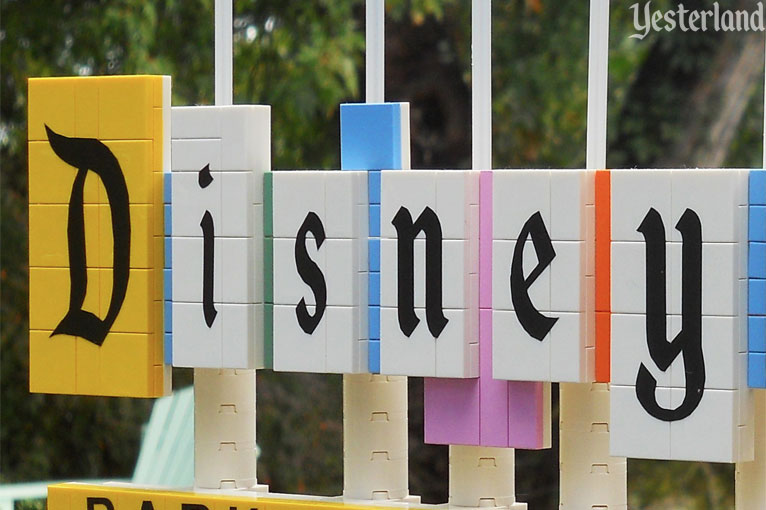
[[375, 437], [750, 477], [224, 400], [481, 476], [590, 477], [224, 429]]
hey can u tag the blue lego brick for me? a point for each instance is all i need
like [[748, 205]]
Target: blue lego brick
[[372, 137], [373, 186], [373, 250], [374, 220], [756, 297], [168, 348], [374, 289], [166, 188], [374, 357], [168, 220], [756, 260], [756, 334], [756, 225], [757, 187], [168, 314], [374, 322], [168, 280], [168, 252], [756, 369]]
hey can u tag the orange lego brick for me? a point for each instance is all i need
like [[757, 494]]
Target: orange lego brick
[[603, 276]]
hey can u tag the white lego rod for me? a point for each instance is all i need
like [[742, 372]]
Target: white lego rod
[[375, 41], [481, 476], [590, 477], [224, 61], [481, 84], [375, 434], [598, 72], [750, 477]]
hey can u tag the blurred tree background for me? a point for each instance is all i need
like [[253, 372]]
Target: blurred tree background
[[675, 99]]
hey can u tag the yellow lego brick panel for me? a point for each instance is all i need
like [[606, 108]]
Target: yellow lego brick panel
[[49, 296], [127, 365], [142, 242], [86, 108], [51, 179], [136, 314], [48, 242], [158, 126], [52, 362], [51, 102], [88, 368], [128, 498], [135, 159], [125, 107]]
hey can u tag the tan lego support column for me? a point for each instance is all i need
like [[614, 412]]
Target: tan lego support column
[[482, 477], [750, 477], [375, 437], [590, 478], [224, 429]]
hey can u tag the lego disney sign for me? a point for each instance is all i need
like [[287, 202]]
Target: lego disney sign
[[160, 236]]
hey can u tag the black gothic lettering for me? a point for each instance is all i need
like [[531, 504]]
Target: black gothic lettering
[[533, 322], [310, 274], [90, 154], [688, 342], [407, 231], [91, 503]]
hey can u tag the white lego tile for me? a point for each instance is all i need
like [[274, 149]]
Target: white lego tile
[[517, 356], [720, 343], [241, 333], [190, 202], [289, 288], [709, 434], [413, 191], [567, 344], [294, 349], [237, 195], [191, 155], [340, 268], [259, 252], [630, 350], [516, 196], [456, 192], [628, 278], [194, 344], [413, 356], [246, 137], [453, 347], [341, 197], [188, 269], [566, 275], [237, 266], [502, 259], [720, 274], [634, 432], [633, 193], [295, 195], [568, 197], [342, 348], [714, 195], [195, 122]]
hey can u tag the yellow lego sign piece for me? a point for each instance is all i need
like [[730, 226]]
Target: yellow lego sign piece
[[75, 496], [97, 149]]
